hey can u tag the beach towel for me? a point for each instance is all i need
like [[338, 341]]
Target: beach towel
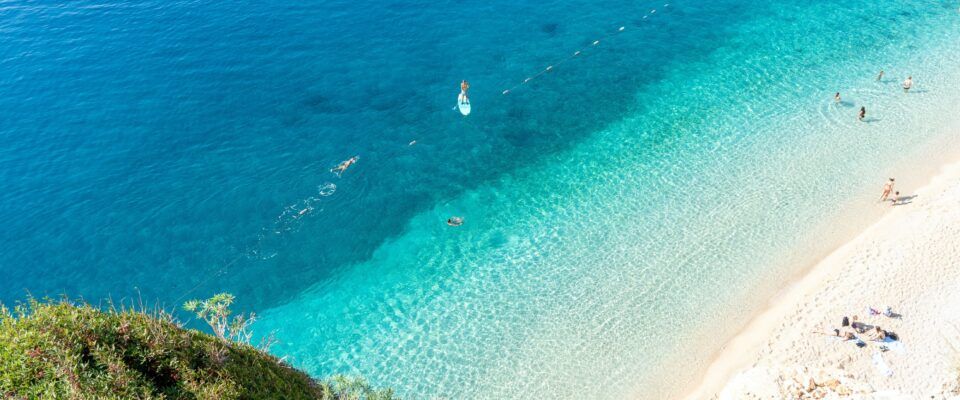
[[881, 365], [893, 345]]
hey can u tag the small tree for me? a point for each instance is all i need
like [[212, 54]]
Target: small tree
[[216, 312], [342, 387]]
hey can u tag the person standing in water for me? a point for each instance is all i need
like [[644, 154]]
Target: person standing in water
[[907, 84], [836, 98], [862, 114], [880, 76], [887, 188], [464, 86]]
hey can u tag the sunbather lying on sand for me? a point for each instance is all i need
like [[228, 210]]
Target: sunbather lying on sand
[[877, 335]]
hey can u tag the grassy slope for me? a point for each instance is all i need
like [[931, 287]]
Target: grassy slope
[[66, 351]]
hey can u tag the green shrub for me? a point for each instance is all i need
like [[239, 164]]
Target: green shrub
[[61, 350]]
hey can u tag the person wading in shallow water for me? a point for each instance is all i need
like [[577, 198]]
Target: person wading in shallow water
[[907, 84], [862, 114]]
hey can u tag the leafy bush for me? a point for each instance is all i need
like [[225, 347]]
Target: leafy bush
[[216, 312], [61, 350]]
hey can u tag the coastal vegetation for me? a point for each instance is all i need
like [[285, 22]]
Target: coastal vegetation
[[73, 350]]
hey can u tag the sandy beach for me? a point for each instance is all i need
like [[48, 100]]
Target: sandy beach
[[907, 261]]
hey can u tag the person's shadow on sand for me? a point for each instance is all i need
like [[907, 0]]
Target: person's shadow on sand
[[902, 200]]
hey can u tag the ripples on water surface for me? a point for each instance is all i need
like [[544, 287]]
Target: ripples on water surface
[[614, 208]]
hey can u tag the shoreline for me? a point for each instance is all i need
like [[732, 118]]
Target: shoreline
[[745, 350]]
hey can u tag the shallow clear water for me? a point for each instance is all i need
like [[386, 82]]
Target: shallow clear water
[[615, 208]]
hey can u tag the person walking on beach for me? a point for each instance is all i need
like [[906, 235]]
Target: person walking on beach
[[862, 114], [907, 84], [896, 198], [880, 76], [836, 98], [887, 188]]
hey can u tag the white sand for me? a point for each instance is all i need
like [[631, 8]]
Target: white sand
[[910, 261]]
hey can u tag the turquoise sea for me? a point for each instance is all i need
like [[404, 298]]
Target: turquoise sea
[[625, 212]]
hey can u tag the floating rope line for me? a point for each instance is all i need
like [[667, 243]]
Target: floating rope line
[[575, 54]]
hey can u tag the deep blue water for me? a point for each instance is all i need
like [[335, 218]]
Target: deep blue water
[[170, 150], [148, 144]]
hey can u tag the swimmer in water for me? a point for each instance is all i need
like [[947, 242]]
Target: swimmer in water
[[464, 86], [344, 165], [836, 98], [455, 221], [880, 76], [862, 114], [907, 84]]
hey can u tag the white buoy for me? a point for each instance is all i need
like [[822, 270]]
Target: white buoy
[[654, 11], [576, 53], [549, 68], [506, 91], [596, 42], [621, 29]]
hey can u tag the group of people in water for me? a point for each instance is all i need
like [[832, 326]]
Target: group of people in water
[[342, 167], [887, 187], [906, 85]]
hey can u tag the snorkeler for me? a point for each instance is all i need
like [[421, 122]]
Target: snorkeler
[[455, 221], [344, 165]]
